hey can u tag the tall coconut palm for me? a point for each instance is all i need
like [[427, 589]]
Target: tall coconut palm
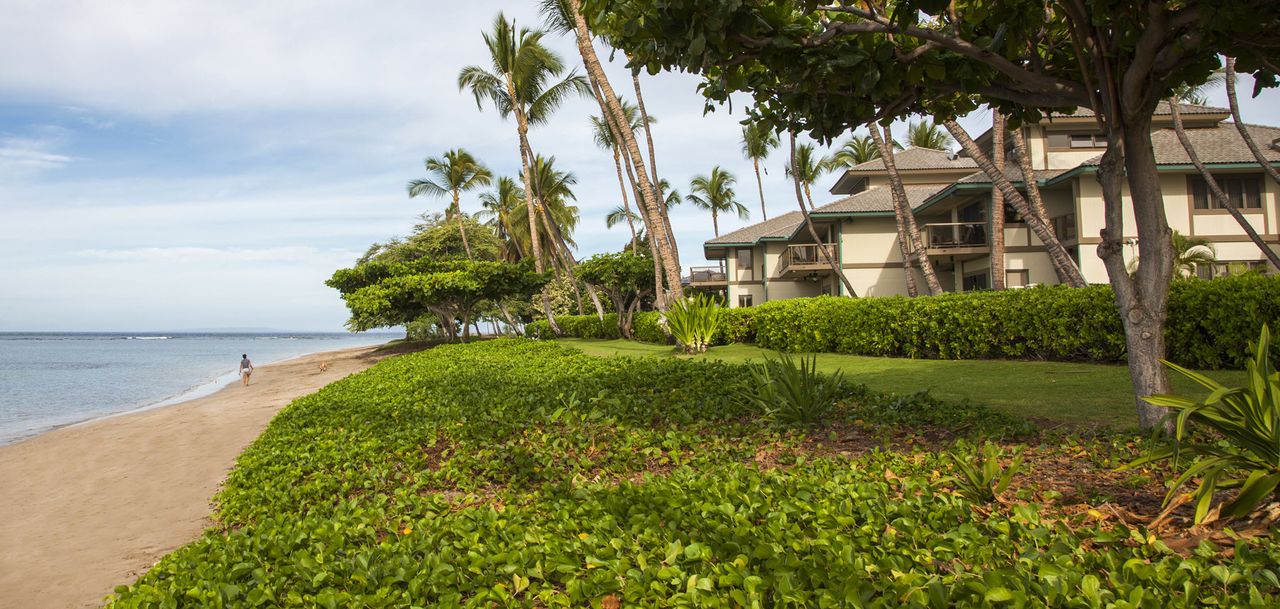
[[925, 134], [567, 16], [605, 138], [452, 174], [910, 243], [523, 80], [997, 202], [809, 169], [714, 193], [757, 142], [672, 196], [857, 150], [498, 206]]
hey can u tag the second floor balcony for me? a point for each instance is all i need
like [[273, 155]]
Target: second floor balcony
[[805, 258], [952, 238], [708, 276]]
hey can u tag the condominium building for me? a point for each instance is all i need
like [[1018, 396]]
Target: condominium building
[[951, 201]]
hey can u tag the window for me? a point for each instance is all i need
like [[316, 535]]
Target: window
[[1077, 140], [1017, 278], [1064, 227], [1227, 268], [1243, 190], [744, 301], [976, 281], [744, 259]]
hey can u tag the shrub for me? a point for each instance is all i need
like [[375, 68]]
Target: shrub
[[693, 321], [646, 328], [979, 476], [794, 395], [1246, 419]]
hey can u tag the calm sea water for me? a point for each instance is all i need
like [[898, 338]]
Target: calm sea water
[[50, 380]]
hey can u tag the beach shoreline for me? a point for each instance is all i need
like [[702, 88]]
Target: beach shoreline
[[93, 505]]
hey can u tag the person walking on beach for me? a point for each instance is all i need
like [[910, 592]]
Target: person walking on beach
[[246, 368]]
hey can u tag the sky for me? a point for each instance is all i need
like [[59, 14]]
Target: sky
[[172, 164]]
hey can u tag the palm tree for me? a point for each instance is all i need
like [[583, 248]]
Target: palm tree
[[523, 80], [715, 193], [605, 138], [925, 134], [672, 195], [567, 16], [454, 173], [858, 150], [621, 214], [757, 141], [498, 207], [558, 218], [811, 168], [1190, 252]]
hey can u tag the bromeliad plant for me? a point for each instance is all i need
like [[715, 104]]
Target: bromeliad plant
[[792, 394], [1247, 421], [693, 321], [982, 479]]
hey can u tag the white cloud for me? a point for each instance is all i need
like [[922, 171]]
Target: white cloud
[[26, 155]]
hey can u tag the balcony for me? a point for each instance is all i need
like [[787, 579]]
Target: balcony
[[957, 238], [708, 277], [804, 259]]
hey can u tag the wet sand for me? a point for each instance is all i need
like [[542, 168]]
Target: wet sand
[[88, 507]]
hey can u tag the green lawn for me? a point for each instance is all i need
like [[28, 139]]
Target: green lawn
[[1076, 394]]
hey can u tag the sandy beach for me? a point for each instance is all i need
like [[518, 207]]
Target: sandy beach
[[88, 507]]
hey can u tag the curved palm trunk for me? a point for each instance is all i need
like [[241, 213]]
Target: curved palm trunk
[[808, 196], [653, 166], [1218, 195], [653, 246], [612, 109], [813, 231], [1029, 177], [909, 241], [462, 226], [997, 203], [1065, 267], [764, 215], [1234, 103], [626, 203], [715, 221]]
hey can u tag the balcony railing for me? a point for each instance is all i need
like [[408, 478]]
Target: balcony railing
[[707, 275], [805, 258], [956, 235]]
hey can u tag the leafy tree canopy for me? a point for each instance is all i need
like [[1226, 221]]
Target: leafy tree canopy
[[438, 238], [827, 70], [383, 293], [625, 277]]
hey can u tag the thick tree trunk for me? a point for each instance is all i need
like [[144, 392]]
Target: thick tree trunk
[[715, 222], [1065, 267], [653, 245], [1218, 195], [1142, 298], [1029, 177], [997, 204], [462, 226], [526, 157], [823, 250], [626, 203], [914, 247], [764, 215], [612, 109]]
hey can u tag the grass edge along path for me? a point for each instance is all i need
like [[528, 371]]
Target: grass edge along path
[[1076, 394]]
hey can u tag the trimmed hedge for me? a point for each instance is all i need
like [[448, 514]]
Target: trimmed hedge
[[1211, 324], [736, 326]]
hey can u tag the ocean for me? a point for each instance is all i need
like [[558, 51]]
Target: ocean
[[48, 380]]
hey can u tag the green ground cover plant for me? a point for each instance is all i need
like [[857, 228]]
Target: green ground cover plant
[[1210, 324], [515, 473]]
